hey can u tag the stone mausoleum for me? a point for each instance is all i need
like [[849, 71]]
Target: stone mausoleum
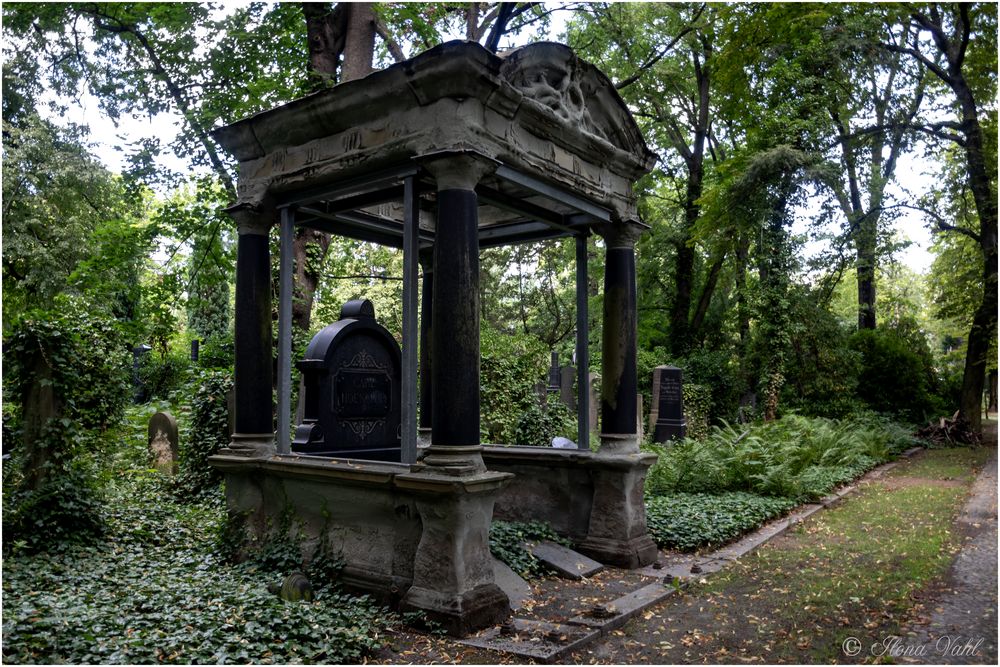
[[452, 151]]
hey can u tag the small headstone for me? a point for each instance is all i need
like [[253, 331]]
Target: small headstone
[[567, 380], [669, 402], [163, 443], [560, 442], [540, 393], [352, 373]]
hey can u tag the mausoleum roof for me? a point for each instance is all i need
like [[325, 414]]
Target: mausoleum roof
[[550, 121]]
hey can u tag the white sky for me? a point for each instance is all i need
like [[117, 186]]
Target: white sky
[[107, 140]]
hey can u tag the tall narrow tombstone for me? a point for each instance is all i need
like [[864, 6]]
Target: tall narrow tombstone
[[567, 380], [554, 373], [669, 402], [594, 387], [163, 442], [195, 346]]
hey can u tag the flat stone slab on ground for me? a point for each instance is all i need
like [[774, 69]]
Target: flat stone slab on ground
[[566, 562], [538, 640], [619, 612], [510, 582]]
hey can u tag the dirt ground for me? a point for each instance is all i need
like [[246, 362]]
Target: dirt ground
[[908, 561]]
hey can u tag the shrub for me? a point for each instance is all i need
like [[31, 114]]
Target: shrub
[[687, 521], [795, 457], [209, 432], [697, 407], [510, 366], [894, 378], [160, 376], [536, 426], [507, 540], [82, 359]]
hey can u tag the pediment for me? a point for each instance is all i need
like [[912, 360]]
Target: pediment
[[551, 75]]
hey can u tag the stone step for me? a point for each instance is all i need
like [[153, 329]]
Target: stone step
[[538, 640], [567, 563], [612, 615]]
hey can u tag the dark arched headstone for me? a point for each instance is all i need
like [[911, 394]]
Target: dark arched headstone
[[163, 443]]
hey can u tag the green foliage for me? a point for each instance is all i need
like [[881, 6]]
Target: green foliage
[[510, 365], [82, 358], [537, 426], [507, 539], [895, 375], [162, 375], [155, 592], [208, 433], [795, 457], [697, 408], [217, 353], [687, 521]]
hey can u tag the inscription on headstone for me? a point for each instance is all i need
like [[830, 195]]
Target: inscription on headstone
[[163, 443], [350, 396], [668, 403]]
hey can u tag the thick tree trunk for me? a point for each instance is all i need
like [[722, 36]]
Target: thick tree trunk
[[359, 44], [865, 243], [984, 323]]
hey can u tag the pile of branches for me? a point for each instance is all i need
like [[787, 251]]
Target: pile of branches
[[950, 432]]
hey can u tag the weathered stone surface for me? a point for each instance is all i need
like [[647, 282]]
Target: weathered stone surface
[[566, 562], [163, 442], [545, 642], [617, 613], [511, 583], [539, 109]]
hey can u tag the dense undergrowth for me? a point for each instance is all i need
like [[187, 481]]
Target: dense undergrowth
[[709, 491], [155, 588]]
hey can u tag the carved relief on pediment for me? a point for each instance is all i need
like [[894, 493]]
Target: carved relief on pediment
[[574, 90]]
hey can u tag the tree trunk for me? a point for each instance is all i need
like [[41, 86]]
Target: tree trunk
[[359, 43], [984, 323], [865, 239]]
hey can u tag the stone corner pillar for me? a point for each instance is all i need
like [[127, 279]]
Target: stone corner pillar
[[453, 582], [619, 382], [253, 427], [617, 533]]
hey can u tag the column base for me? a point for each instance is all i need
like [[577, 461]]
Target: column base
[[619, 443], [453, 568], [459, 615], [629, 553], [617, 533], [457, 461], [250, 446]]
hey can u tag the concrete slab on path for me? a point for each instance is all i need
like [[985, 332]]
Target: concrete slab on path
[[538, 640], [510, 582], [566, 562], [612, 615]]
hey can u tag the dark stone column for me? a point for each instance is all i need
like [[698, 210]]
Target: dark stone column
[[426, 338], [619, 382], [254, 422], [454, 393]]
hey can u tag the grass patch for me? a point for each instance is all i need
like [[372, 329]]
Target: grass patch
[[687, 521], [851, 570], [944, 464]]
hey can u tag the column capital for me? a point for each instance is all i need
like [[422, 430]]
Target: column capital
[[621, 235], [252, 219], [458, 170]]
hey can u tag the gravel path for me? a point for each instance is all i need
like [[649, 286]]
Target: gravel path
[[962, 626]]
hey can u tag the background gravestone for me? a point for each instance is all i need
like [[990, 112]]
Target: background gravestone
[[162, 442], [567, 392], [668, 402], [352, 380]]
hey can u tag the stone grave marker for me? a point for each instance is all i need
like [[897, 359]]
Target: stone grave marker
[[163, 442], [567, 380], [594, 386], [352, 381], [554, 373], [668, 402]]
